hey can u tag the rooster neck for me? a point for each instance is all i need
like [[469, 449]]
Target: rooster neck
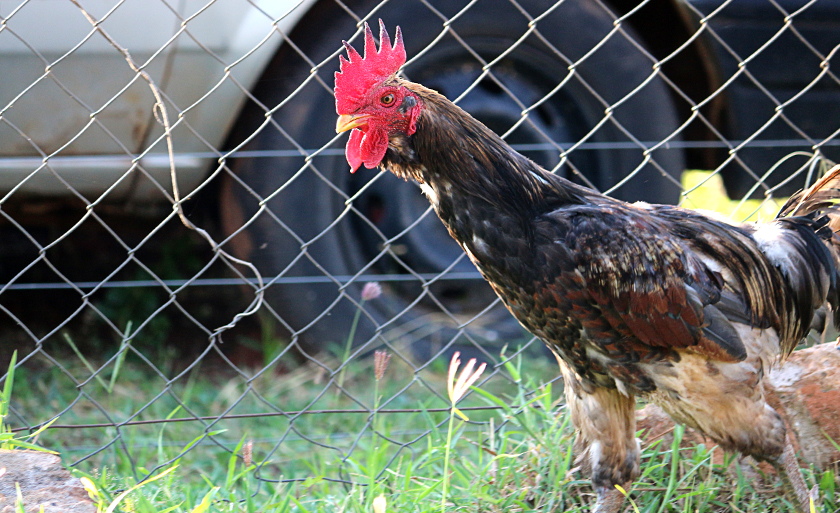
[[487, 195], [466, 169]]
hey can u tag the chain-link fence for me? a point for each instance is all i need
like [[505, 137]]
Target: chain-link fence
[[174, 195]]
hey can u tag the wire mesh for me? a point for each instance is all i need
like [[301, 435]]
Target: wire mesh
[[174, 194]]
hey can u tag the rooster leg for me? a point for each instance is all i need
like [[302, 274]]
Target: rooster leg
[[788, 469], [606, 438]]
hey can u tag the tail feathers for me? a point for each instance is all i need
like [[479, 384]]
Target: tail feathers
[[820, 197], [818, 208]]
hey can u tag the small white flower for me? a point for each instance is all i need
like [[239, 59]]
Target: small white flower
[[458, 388], [371, 290]]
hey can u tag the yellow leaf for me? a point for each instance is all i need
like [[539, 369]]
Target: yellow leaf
[[460, 414], [204, 506], [113, 506], [90, 487]]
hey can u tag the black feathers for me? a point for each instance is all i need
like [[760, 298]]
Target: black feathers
[[720, 331]]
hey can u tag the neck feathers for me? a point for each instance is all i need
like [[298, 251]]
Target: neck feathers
[[453, 153]]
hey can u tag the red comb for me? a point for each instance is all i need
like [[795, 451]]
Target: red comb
[[359, 74]]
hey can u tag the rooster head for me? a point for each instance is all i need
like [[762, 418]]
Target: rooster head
[[370, 101]]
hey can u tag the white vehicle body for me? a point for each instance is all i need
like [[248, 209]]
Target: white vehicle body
[[76, 116]]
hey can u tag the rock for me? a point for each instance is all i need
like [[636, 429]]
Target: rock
[[805, 391], [43, 482]]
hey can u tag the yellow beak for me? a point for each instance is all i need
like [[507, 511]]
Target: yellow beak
[[350, 121]]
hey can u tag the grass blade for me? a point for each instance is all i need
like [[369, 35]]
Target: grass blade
[[7, 388]]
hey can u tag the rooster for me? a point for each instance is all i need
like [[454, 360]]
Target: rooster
[[679, 308]]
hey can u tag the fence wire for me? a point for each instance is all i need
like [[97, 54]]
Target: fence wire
[[174, 195]]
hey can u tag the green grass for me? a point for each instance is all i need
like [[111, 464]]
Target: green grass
[[516, 458]]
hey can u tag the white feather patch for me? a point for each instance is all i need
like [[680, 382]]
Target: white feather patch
[[480, 245], [539, 178], [430, 193], [594, 454], [619, 385], [773, 241]]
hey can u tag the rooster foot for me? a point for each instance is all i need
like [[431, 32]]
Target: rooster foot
[[608, 501], [791, 476]]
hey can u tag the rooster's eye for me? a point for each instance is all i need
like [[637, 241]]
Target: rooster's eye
[[387, 100]]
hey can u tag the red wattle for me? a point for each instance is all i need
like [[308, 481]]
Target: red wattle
[[366, 148], [353, 151], [374, 146]]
